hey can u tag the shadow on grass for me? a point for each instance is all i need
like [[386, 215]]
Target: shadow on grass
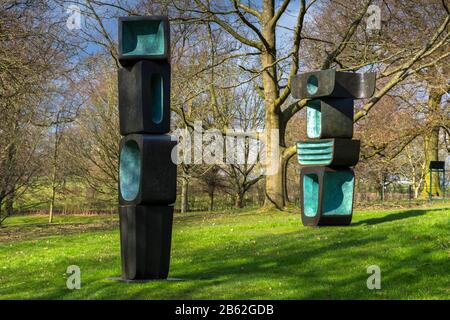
[[306, 263], [395, 217], [41, 230], [335, 268], [216, 270]]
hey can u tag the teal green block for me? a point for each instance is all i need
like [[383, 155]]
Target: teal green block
[[315, 152], [311, 194], [313, 119], [326, 195], [143, 38], [130, 170], [338, 193]]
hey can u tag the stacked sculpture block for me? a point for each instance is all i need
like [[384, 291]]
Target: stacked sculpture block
[[147, 174], [327, 180]]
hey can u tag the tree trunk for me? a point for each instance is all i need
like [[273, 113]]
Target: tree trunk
[[10, 203], [274, 197], [416, 192], [8, 186], [431, 147], [382, 187], [53, 182], [184, 195], [52, 199], [415, 185], [239, 200], [211, 201], [431, 144], [3, 216]]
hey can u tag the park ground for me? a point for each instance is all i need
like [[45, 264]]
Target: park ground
[[236, 255]]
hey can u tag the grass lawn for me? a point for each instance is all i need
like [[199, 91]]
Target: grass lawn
[[236, 255]]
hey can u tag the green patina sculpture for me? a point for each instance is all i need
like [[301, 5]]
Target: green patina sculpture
[[326, 180]]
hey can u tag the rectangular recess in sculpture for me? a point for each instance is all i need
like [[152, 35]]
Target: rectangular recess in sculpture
[[328, 152], [144, 98], [311, 194], [326, 195], [329, 118], [143, 38], [157, 93], [145, 241], [338, 193], [313, 119], [147, 172]]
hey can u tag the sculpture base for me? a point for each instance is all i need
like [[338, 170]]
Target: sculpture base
[[145, 237]]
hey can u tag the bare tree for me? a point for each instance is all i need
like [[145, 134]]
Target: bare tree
[[95, 139], [34, 54]]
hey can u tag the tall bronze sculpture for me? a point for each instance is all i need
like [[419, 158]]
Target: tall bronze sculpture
[[147, 174], [327, 180]]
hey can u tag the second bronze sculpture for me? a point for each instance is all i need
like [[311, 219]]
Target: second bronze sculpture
[[327, 181]]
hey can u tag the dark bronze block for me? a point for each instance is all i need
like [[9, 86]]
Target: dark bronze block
[[144, 98], [145, 239], [333, 84], [143, 38], [329, 118], [326, 196], [328, 152], [147, 174]]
